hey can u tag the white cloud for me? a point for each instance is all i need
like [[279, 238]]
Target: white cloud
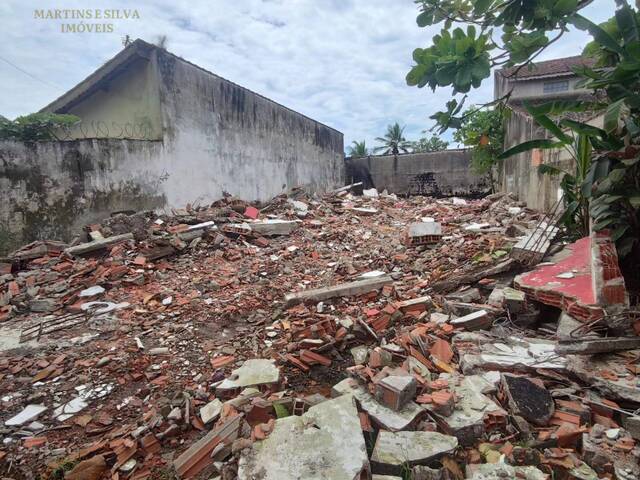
[[341, 62]]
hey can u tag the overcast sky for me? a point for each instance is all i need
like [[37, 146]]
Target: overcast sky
[[341, 62]]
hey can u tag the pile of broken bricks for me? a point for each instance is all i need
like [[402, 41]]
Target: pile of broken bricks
[[336, 337]]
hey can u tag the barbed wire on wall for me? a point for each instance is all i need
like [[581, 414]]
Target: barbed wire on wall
[[111, 129]]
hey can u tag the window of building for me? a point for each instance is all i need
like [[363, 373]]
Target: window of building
[[554, 87]]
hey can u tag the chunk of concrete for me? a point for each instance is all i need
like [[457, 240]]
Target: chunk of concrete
[[501, 471], [89, 247], [383, 416], [358, 287], [30, 412], [325, 443], [474, 321], [479, 352], [601, 345], [467, 422], [425, 228], [395, 450], [211, 411], [274, 227], [384, 477], [257, 371], [528, 399]]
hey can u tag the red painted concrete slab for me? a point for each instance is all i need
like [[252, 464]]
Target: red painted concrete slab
[[574, 295]]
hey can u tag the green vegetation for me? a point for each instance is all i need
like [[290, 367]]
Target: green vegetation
[[35, 126], [431, 144], [393, 142], [512, 34], [482, 130], [358, 149]]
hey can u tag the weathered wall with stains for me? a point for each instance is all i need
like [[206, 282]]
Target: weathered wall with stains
[[519, 173], [49, 190], [222, 137], [443, 173]]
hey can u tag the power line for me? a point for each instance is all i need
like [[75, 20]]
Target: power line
[[30, 75]]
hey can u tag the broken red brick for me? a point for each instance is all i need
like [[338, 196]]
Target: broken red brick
[[312, 358]]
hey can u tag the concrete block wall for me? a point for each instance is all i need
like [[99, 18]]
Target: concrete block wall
[[445, 173]]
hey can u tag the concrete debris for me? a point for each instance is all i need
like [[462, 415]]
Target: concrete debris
[[501, 471], [175, 338], [211, 411], [358, 287], [479, 352], [601, 345], [479, 320], [252, 373], [387, 418], [395, 450], [326, 443], [101, 244]]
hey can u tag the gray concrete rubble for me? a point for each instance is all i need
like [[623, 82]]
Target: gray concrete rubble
[[101, 244], [479, 320], [274, 227], [587, 368], [326, 443], [385, 417], [501, 471], [395, 391], [425, 228], [252, 373], [342, 290], [480, 352], [467, 422], [211, 411], [393, 450], [600, 345]]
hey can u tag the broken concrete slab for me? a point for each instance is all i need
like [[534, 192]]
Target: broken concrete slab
[[254, 372], [423, 233], [383, 416], [601, 345], [467, 422], [273, 227], [531, 248], [474, 321], [569, 329], [385, 477], [528, 399], [29, 413], [607, 374], [325, 443], [501, 471], [479, 352], [395, 450], [342, 290], [211, 411], [577, 295], [89, 247]]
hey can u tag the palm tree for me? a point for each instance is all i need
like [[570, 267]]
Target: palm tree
[[393, 141], [358, 149]]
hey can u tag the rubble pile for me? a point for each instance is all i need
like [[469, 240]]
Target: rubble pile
[[338, 337]]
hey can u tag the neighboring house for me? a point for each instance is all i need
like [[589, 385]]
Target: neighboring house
[[542, 81], [157, 132]]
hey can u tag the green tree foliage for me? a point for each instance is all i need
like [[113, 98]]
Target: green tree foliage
[[393, 142], [512, 34], [482, 130], [430, 144], [358, 149], [35, 127]]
